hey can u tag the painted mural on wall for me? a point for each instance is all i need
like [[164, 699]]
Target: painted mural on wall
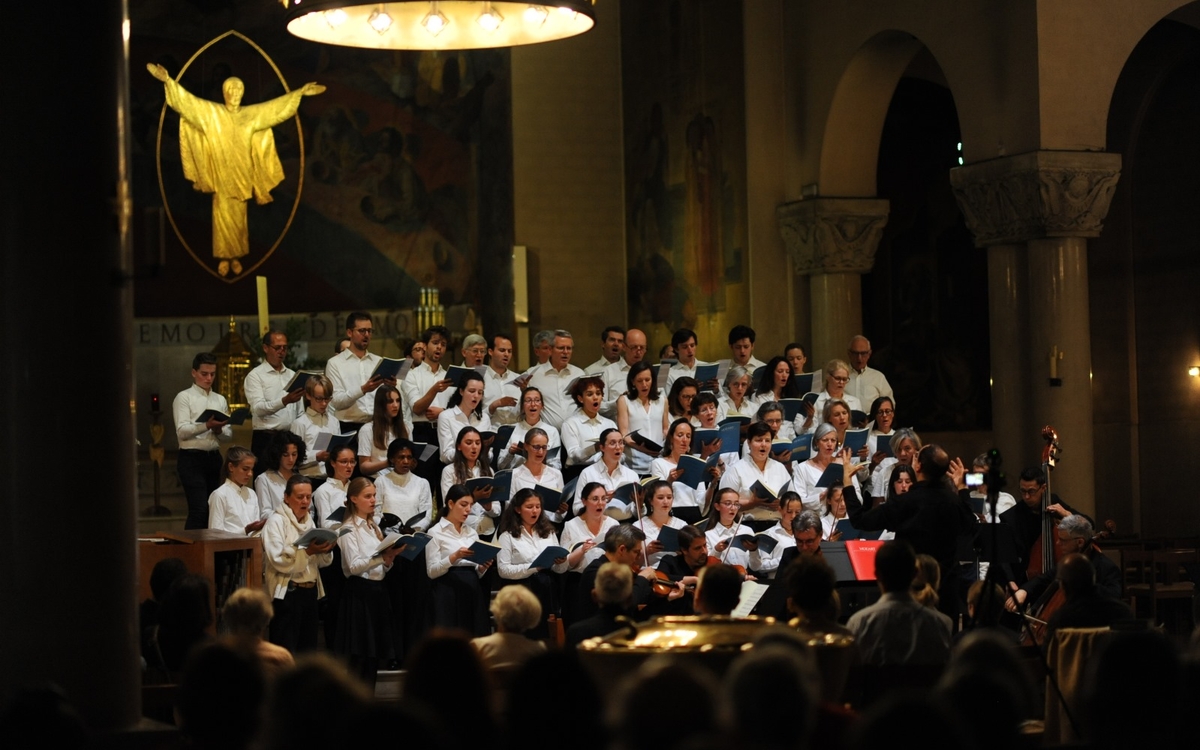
[[684, 111], [404, 154]]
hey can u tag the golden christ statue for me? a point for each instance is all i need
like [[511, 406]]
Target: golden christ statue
[[229, 150]]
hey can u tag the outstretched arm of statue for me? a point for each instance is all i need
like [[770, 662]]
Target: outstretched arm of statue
[[312, 89], [158, 72]]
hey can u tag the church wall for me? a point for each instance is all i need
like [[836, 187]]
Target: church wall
[[567, 165]]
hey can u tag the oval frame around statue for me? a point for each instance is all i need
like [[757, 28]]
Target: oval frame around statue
[[251, 268]]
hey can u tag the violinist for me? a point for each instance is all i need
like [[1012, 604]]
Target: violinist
[[1075, 536], [685, 566], [1026, 518], [622, 544]]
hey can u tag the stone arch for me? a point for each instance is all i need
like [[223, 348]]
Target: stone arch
[[850, 146]]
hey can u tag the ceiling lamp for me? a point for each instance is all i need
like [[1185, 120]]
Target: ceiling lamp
[[437, 24]]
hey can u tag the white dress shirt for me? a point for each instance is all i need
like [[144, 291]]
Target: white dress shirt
[[187, 407], [805, 475], [327, 498], [557, 405], [347, 373], [598, 472], [616, 384], [648, 421], [576, 531], [680, 370], [523, 479], [358, 550], [767, 563], [730, 556], [597, 367], [652, 530], [517, 552], [477, 510], [496, 387], [420, 379], [405, 495], [553, 453], [446, 540], [283, 561], [232, 508], [367, 447], [685, 497], [450, 422], [581, 436], [309, 426], [269, 487], [745, 473], [868, 385], [264, 393]]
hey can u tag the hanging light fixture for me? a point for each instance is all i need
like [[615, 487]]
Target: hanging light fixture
[[438, 24]]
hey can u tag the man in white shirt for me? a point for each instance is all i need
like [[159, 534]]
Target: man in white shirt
[[553, 378], [612, 343], [543, 345], [683, 342], [616, 375], [866, 384], [350, 374], [501, 394], [199, 460], [741, 346], [273, 409], [426, 390]]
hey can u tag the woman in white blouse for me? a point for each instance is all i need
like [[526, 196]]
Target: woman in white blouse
[[403, 494], [581, 431], [535, 471], [806, 474], [642, 409], [882, 418], [757, 466], [837, 413], [582, 536], [464, 409], [331, 495], [531, 416], [523, 533], [666, 467], [835, 510], [470, 462], [735, 401], [233, 506], [459, 598], [365, 629], [283, 452], [375, 436], [608, 471], [837, 375], [291, 575], [679, 400], [659, 499], [776, 382], [764, 563], [723, 525]]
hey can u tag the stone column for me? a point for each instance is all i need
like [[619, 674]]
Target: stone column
[[68, 584], [1051, 201], [833, 242]]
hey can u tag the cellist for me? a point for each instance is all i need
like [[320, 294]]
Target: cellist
[[1074, 535]]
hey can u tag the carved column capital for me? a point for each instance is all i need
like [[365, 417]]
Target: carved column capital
[[832, 235], [1036, 195]]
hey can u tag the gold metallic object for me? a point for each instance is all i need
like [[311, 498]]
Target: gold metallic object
[[228, 150], [233, 362], [439, 24]]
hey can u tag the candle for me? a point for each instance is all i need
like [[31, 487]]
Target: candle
[[264, 323]]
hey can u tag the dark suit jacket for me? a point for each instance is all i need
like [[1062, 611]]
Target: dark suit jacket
[[931, 517]]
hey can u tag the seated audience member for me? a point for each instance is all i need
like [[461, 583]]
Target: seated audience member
[[516, 611], [1085, 606], [929, 579], [246, 615], [996, 652], [897, 629], [165, 572], [317, 680], [220, 697], [1135, 675], [718, 589], [447, 682], [183, 622], [813, 602], [794, 684], [985, 605], [579, 718], [614, 594], [674, 688]]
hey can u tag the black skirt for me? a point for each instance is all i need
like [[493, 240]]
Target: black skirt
[[461, 601], [365, 620]]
